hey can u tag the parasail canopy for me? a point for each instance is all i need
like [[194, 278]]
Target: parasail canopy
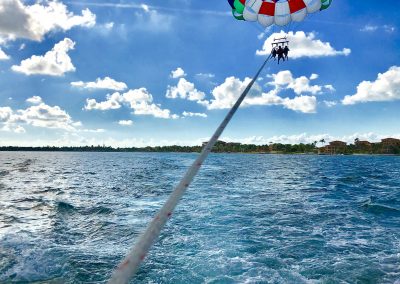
[[278, 12]]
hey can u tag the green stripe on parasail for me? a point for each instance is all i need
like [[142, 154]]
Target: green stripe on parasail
[[325, 4], [238, 10]]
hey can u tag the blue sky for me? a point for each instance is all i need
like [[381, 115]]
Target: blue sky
[[134, 73]]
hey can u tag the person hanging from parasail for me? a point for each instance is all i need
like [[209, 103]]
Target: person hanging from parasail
[[280, 54], [286, 53], [274, 53]]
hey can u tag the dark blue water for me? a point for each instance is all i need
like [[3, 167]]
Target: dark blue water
[[71, 217]]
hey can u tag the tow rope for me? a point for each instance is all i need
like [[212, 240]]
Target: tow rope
[[130, 265]]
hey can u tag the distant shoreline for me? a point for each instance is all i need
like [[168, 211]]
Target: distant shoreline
[[181, 149]]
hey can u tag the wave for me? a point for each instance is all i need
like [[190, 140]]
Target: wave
[[4, 173], [65, 207], [23, 166], [62, 206], [98, 210], [376, 208]]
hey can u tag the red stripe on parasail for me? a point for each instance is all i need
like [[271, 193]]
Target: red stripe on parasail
[[267, 8], [296, 5]]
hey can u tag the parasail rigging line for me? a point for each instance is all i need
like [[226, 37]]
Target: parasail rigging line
[[130, 265]]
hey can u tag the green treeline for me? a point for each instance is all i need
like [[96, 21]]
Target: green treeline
[[222, 147]]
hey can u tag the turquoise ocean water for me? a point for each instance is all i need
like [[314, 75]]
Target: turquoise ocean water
[[70, 218]]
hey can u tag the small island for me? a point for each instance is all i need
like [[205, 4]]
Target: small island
[[388, 146]]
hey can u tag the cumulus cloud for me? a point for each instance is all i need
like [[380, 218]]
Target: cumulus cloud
[[39, 115], [298, 85], [385, 88], [226, 94], [34, 100], [139, 100], [55, 62], [34, 21], [3, 55], [5, 114], [112, 102], [304, 104], [303, 45], [184, 90], [125, 122], [46, 116], [106, 83], [193, 114], [178, 73], [330, 103]]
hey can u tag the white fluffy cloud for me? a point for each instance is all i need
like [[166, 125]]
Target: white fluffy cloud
[[107, 83], [178, 73], [298, 85], [193, 114], [385, 88], [55, 62], [185, 90], [226, 94], [34, 100], [46, 116], [330, 103], [303, 45], [304, 104], [125, 122], [112, 102], [139, 100], [3, 55], [39, 115], [5, 114], [33, 22]]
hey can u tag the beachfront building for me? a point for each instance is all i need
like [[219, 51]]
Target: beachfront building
[[363, 146], [388, 145], [334, 147], [390, 142]]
